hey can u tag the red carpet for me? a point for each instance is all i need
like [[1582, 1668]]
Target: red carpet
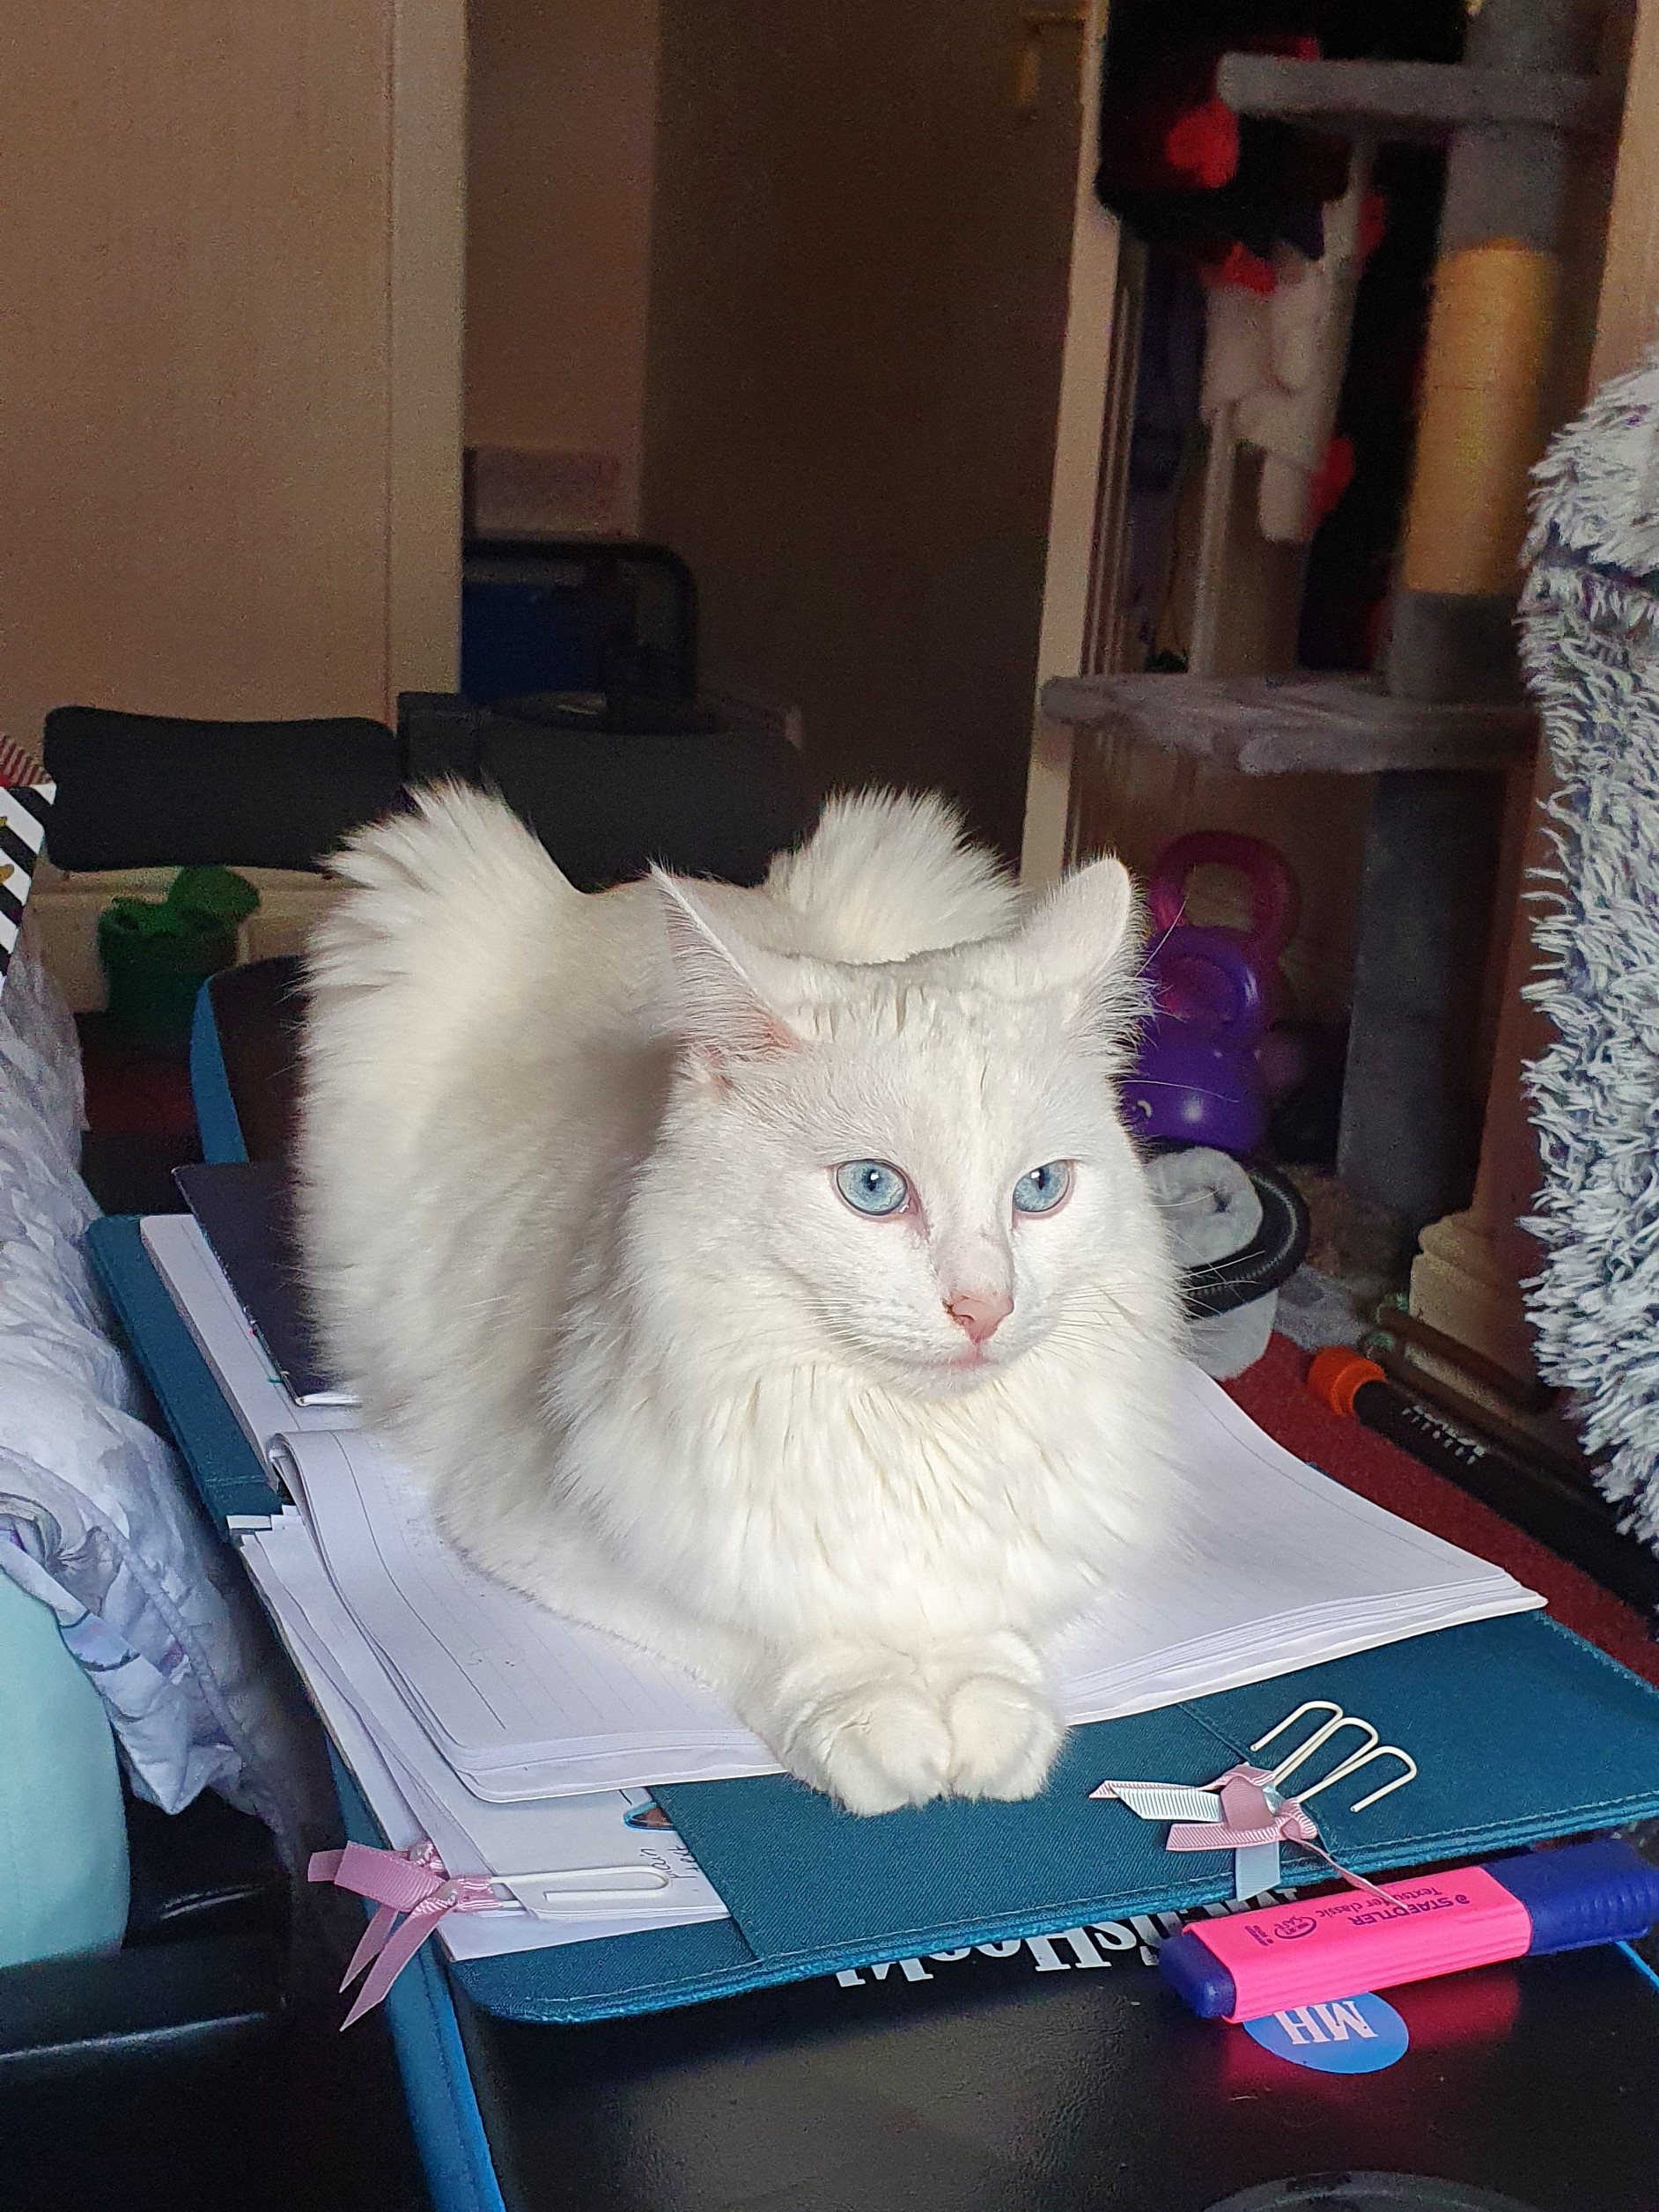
[[134, 1090], [1273, 1394]]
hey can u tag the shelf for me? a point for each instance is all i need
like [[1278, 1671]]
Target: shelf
[[1404, 99], [1294, 725]]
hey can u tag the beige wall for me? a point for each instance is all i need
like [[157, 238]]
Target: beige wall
[[230, 461], [561, 119]]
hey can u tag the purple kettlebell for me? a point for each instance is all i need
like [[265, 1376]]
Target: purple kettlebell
[[1197, 1078], [1275, 901]]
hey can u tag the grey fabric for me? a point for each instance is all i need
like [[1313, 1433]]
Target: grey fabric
[[1314, 1311], [1210, 1207], [1590, 647], [97, 1518]]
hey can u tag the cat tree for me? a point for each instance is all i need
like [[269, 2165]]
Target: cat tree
[[1446, 722]]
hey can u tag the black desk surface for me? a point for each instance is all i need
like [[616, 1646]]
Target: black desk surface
[[996, 2087]]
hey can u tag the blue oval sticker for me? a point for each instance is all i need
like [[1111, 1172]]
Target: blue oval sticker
[[1353, 2035]]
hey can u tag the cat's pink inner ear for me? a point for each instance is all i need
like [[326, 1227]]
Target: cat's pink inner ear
[[1080, 944], [729, 992], [1079, 929]]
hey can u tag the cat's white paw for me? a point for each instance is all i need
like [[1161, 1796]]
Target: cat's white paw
[[1003, 1730], [874, 1743]]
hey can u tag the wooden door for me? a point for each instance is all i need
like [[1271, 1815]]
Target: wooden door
[[862, 239], [230, 329]]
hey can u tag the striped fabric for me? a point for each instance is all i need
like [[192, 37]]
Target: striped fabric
[[17, 766], [25, 800]]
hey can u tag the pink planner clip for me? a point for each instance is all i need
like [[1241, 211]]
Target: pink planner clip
[[1248, 1811], [412, 1886], [1252, 1813], [414, 1890]]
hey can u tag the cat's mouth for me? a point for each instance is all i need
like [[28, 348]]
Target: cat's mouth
[[939, 1371], [961, 1370]]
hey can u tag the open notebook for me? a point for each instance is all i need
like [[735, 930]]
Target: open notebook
[[1276, 1568], [1279, 1568], [580, 1868]]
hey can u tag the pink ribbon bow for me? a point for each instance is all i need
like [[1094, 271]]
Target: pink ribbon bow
[[1249, 1816], [412, 1884]]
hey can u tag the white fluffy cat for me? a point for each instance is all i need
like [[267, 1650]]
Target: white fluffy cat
[[763, 1275]]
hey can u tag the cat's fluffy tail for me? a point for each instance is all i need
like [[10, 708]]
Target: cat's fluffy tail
[[432, 948], [427, 891], [886, 874], [421, 984]]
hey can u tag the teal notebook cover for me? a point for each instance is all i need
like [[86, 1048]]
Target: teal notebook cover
[[1521, 1732]]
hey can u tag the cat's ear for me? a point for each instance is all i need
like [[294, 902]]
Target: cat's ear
[[1081, 941], [731, 995], [1080, 926]]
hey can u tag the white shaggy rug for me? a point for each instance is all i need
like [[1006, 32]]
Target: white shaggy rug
[[1590, 645]]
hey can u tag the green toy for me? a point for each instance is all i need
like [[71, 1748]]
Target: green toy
[[157, 952]]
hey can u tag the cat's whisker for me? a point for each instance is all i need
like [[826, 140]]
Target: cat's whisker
[[1152, 950], [1191, 1089]]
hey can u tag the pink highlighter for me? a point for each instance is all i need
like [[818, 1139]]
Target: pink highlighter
[[1315, 1949]]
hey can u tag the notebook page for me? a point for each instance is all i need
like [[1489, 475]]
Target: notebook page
[[498, 1679], [1274, 1568], [407, 1814], [540, 1837], [1145, 1686], [1270, 1565], [472, 1836]]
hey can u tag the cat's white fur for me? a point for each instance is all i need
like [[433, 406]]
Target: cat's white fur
[[573, 1231]]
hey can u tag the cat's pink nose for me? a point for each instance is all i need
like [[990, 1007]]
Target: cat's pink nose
[[980, 1312]]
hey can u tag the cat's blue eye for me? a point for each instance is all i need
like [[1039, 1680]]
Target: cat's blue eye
[[1042, 1191], [870, 1187]]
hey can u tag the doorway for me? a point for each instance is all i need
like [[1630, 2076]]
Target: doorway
[[785, 288]]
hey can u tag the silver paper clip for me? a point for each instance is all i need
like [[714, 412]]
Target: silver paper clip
[[1372, 1748], [549, 1895], [1272, 1814]]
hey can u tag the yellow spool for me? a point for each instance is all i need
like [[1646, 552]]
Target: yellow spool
[[1482, 421]]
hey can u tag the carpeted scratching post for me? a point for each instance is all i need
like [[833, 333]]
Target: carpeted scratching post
[[1590, 649], [1446, 721]]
